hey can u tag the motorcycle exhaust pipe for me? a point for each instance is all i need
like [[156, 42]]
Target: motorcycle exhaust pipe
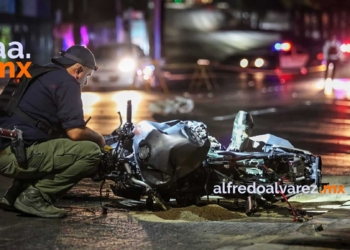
[[136, 181], [141, 183], [144, 184]]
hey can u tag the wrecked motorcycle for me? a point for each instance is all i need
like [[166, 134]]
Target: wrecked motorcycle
[[180, 160]]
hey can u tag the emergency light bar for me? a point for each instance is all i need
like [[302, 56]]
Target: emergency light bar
[[282, 46], [345, 48]]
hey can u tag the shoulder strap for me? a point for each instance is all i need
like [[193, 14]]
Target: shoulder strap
[[23, 83], [39, 124], [15, 90]]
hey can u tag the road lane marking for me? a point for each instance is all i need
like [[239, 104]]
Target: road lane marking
[[253, 112]]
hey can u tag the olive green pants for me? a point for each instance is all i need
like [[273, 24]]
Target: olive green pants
[[55, 166]]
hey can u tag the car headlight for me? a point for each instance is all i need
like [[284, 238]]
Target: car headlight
[[127, 65], [259, 62], [148, 70], [244, 63]]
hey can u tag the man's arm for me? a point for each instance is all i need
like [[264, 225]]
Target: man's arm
[[85, 134], [71, 115]]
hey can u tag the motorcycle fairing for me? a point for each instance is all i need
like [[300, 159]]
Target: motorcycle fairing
[[166, 152], [267, 140]]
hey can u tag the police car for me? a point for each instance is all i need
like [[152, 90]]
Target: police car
[[282, 55], [120, 65], [345, 49]]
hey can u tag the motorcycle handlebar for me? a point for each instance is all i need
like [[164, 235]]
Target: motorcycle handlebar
[[128, 111]]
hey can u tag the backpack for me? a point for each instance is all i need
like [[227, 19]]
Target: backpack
[[14, 91]]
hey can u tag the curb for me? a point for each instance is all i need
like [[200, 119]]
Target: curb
[[336, 179], [331, 197]]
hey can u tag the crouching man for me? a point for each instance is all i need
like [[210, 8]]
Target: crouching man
[[60, 149]]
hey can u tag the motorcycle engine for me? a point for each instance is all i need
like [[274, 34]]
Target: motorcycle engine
[[298, 166]]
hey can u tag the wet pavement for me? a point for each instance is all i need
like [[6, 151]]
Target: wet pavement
[[86, 227], [309, 113]]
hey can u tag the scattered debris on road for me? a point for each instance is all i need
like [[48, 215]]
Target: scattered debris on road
[[176, 105]]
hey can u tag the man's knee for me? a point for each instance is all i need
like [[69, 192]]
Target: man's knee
[[84, 155], [91, 151], [90, 156]]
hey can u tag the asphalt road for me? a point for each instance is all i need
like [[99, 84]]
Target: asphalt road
[[311, 114]]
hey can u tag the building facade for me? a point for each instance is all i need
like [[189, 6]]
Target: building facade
[[28, 22], [93, 23]]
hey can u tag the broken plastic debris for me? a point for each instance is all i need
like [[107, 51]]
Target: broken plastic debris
[[176, 105], [242, 129], [270, 140]]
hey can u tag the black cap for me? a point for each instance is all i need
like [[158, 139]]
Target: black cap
[[76, 54]]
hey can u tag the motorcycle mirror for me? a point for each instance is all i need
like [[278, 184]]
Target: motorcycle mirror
[[120, 124], [120, 119]]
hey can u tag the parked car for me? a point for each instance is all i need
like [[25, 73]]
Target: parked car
[[281, 55], [120, 65]]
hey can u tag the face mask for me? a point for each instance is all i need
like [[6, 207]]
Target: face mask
[[84, 81]]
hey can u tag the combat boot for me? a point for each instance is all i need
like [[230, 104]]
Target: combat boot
[[31, 202], [8, 201]]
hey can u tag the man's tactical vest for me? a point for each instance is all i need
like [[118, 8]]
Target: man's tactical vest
[[14, 91]]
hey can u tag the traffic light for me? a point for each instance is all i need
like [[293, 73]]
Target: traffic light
[[178, 1]]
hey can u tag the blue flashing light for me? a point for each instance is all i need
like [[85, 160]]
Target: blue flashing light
[[282, 46], [278, 46]]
